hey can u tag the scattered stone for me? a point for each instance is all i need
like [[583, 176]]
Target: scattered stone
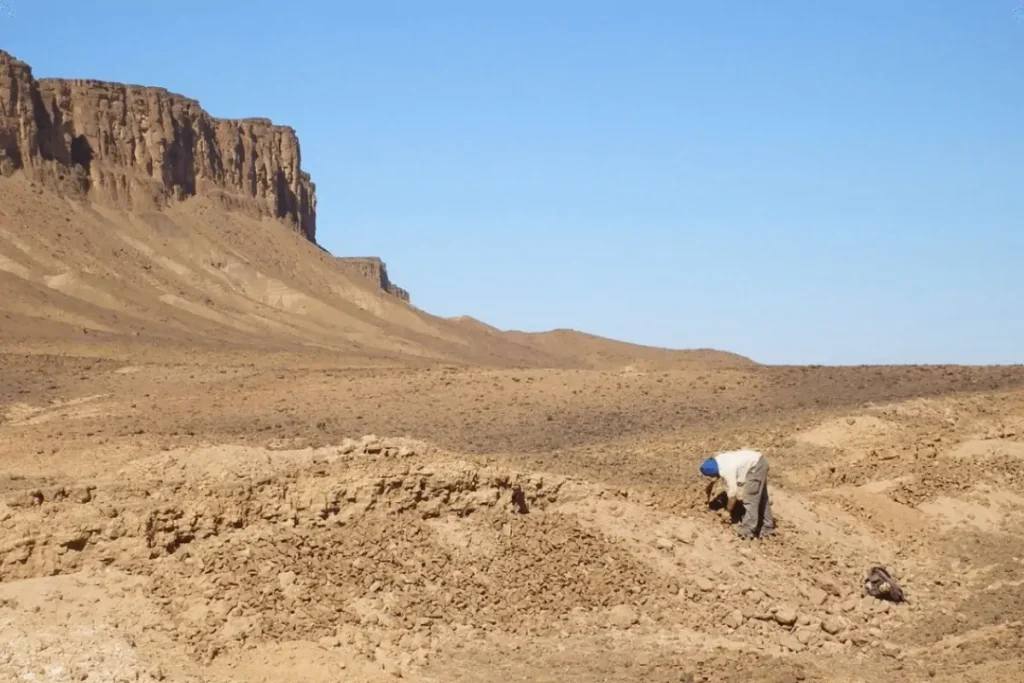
[[622, 616], [734, 619], [785, 616], [705, 585], [663, 544], [684, 536], [792, 643], [817, 596], [859, 638], [832, 625], [891, 650]]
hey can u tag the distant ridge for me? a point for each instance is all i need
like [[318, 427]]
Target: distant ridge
[[132, 221]]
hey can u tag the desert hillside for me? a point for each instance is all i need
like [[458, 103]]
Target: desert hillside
[[129, 213], [228, 456]]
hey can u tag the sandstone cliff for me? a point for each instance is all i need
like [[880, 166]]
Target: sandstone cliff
[[138, 147], [373, 269]]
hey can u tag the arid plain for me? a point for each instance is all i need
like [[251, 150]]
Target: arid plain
[[228, 456]]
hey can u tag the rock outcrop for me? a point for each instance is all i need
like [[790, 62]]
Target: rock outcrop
[[137, 148], [372, 268]]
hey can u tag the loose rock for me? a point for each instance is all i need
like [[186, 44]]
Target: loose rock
[[785, 616], [734, 619], [832, 625], [622, 616], [792, 643], [817, 596], [830, 586]]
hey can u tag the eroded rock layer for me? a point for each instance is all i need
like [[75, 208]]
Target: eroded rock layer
[[139, 147]]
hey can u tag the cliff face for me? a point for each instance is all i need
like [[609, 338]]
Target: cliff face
[[372, 268], [139, 147]]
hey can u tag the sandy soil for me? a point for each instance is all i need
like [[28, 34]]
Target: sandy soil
[[230, 522], [222, 460]]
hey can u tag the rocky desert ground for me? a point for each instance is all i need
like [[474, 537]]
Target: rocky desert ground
[[228, 456]]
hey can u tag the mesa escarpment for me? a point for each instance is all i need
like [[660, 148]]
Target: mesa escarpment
[[128, 214], [374, 269], [137, 147]]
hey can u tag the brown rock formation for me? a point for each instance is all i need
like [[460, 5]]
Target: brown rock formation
[[372, 268], [139, 147]]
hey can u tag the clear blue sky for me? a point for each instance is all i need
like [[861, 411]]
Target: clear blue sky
[[800, 182]]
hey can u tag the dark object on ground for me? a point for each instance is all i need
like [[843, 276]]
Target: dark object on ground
[[880, 584], [721, 500]]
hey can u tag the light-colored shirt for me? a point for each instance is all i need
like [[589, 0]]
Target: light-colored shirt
[[733, 467]]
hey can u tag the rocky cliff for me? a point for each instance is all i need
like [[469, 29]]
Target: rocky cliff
[[373, 269], [138, 147]]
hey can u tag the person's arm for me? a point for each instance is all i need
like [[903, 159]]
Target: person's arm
[[732, 489]]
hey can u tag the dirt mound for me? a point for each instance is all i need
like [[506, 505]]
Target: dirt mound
[[378, 541]]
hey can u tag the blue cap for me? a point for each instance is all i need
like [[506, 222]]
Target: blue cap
[[709, 468]]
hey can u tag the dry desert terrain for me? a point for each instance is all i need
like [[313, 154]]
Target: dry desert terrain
[[227, 456]]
